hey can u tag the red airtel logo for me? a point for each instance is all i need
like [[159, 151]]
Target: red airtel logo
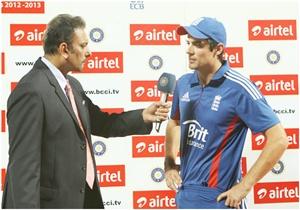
[[111, 175], [259, 140], [156, 199], [154, 34], [234, 56], [276, 84], [148, 146], [3, 175], [276, 192], [26, 34], [104, 62], [272, 30]]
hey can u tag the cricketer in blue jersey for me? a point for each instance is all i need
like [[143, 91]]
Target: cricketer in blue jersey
[[211, 113]]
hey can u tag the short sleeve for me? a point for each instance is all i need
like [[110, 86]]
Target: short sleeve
[[175, 113], [256, 114]]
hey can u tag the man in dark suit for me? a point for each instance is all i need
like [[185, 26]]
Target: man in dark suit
[[50, 128]]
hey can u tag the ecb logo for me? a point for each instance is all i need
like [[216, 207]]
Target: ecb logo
[[278, 168], [158, 175], [99, 148], [96, 35], [155, 62], [273, 57], [136, 5]]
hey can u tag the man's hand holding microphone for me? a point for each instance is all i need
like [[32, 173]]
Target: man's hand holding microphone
[[158, 111]]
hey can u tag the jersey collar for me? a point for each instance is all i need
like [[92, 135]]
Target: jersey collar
[[217, 79]]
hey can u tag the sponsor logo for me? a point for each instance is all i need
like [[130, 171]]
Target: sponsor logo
[[148, 146], [216, 103], [145, 91], [156, 199], [276, 84], [112, 110], [136, 5], [158, 175], [259, 140], [13, 85], [276, 192], [155, 62], [185, 97], [273, 57], [3, 175], [10, 7], [26, 34], [196, 134], [2, 63], [154, 34], [99, 148], [234, 56], [96, 35], [111, 175], [278, 168], [104, 62], [272, 30], [244, 166], [3, 121]]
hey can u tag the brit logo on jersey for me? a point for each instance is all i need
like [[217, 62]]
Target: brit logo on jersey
[[197, 134], [156, 199], [276, 192]]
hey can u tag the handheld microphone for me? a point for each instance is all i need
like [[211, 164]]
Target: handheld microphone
[[166, 85]]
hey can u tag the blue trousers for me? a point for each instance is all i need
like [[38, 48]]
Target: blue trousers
[[198, 197]]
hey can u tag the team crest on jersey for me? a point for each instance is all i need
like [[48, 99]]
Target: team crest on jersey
[[185, 97], [216, 103]]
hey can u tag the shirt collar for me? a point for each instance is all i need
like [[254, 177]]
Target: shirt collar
[[217, 80], [57, 74]]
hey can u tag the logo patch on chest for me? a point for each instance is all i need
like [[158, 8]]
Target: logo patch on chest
[[216, 103], [185, 97]]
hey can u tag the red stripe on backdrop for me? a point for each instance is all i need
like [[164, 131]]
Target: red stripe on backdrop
[[214, 171], [3, 121], [2, 63]]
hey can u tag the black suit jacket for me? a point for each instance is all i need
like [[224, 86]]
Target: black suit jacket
[[47, 153]]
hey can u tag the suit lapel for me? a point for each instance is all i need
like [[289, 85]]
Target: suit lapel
[[59, 92]]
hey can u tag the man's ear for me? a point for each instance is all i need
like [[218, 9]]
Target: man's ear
[[220, 49], [63, 50]]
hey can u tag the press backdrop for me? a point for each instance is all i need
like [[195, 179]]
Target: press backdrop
[[133, 43]]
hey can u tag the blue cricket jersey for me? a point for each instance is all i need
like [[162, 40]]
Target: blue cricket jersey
[[214, 121]]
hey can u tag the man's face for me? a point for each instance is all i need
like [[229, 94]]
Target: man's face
[[199, 54], [78, 52]]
